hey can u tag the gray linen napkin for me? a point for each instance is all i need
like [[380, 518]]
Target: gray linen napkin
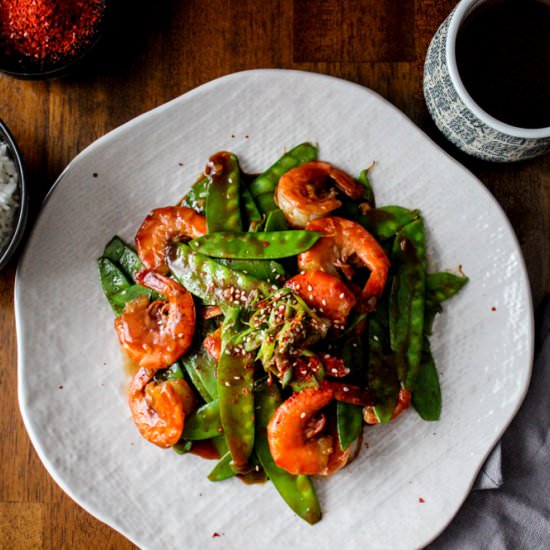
[[517, 516]]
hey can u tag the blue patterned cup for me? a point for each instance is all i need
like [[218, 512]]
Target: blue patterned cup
[[458, 116]]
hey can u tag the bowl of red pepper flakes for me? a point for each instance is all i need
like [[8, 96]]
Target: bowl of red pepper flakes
[[47, 38]]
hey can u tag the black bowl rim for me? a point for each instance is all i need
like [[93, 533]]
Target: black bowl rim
[[71, 63], [21, 221]]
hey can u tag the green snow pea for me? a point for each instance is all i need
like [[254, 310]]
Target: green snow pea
[[382, 371], [204, 423], [122, 254], [443, 285], [426, 391], [349, 417], [297, 491], [407, 299], [386, 221], [113, 279], [201, 369], [266, 270], [263, 187], [368, 196], [275, 221], [259, 246], [223, 468], [120, 299], [249, 210], [223, 202], [196, 196], [236, 393], [214, 283]]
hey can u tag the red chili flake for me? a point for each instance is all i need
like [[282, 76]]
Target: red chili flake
[[245, 391], [265, 243], [215, 535], [421, 500], [493, 308], [60, 387], [48, 31]]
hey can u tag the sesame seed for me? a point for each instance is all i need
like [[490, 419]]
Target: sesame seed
[[342, 295], [309, 288], [303, 415], [345, 388]]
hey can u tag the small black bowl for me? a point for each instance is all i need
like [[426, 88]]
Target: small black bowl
[[20, 217], [20, 67]]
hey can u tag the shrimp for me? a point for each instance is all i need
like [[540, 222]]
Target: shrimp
[[298, 440], [343, 239], [403, 402], [212, 343], [155, 334], [163, 226], [325, 293], [304, 194], [159, 409]]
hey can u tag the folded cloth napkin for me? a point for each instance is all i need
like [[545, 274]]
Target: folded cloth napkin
[[517, 516]]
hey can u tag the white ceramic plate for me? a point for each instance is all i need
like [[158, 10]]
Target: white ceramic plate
[[404, 489]]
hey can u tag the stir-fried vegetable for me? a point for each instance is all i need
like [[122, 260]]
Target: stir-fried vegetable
[[272, 317]]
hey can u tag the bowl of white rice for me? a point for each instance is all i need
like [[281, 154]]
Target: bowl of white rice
[[13, 196]]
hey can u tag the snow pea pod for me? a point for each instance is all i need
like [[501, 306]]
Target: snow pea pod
[[112, 278], [297, 491], [196, 196], [443, 285], [204, 423], [261, 245], [223, 202], [266, 270], [386, 221], [439, 287], [407, 299], [349, 417], [382, 371], [263, 187], [120, 299], [214, 283], [125, 256], [201, 368], [236, 393], [116, 285], [368, 195], [223, 469], [276, 221], [250, 210], [426, 391]]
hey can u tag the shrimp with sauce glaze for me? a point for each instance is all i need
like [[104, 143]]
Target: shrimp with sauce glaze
[[163, 226], [298, 440], [159, 408], [342, 241], [156, 334], [304, 193], [326, 293]]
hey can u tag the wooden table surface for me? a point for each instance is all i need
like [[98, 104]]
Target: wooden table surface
[[152, 55]]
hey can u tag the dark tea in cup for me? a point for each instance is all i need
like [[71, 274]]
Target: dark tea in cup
[[503, 59]]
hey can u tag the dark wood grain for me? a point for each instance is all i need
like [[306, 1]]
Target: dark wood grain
[[153, 54]]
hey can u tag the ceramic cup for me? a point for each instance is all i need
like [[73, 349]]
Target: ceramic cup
[[457, 115]]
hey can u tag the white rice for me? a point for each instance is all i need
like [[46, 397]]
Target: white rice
[[9, 195]]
